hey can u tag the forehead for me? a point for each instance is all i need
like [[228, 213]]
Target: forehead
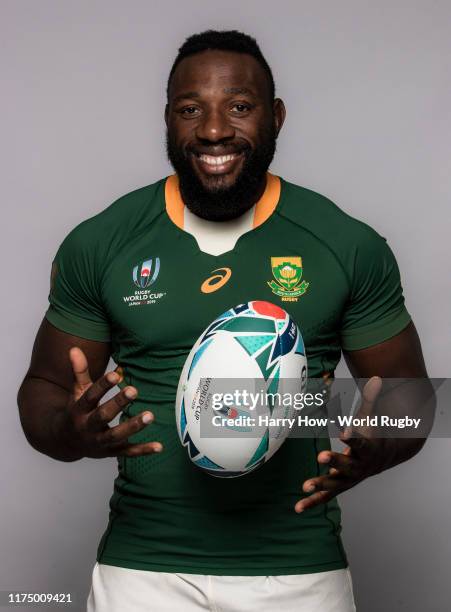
[[218, 70]]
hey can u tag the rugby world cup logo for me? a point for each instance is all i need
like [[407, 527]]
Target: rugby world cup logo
[[146, 273]]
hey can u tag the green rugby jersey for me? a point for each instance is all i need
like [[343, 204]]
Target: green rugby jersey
[[131, 275]]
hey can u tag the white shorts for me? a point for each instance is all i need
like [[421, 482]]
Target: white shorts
[[117, 589]]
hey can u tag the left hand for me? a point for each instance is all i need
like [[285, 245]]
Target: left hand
[[364, 457]]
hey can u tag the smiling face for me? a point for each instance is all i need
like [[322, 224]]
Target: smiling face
[[221, 131]]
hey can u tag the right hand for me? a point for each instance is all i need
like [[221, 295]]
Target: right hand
[[86, 430]]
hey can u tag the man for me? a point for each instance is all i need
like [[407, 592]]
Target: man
[[140, 281]]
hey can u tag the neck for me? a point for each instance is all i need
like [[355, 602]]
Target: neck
[[224, 205]]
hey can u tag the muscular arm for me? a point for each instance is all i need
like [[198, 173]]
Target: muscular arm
[[399, 357], [47, 386]]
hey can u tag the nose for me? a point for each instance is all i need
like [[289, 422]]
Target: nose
[[214, 126]]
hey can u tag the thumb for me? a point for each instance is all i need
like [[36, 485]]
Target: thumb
[[370, 393], [81, 371]]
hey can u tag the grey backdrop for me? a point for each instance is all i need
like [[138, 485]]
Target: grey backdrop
[[366, 85]]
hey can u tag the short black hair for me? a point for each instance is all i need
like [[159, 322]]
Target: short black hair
[[222, 40]]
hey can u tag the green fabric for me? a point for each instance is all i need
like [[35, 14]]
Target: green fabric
[[167, 515]]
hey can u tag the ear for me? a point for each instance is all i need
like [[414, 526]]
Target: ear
[[279, 112]]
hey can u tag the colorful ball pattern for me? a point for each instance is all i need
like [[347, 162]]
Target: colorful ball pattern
[[256, 341]]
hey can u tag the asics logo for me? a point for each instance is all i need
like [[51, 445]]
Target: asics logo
[[216, 281]]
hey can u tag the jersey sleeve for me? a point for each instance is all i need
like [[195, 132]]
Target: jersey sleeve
[[75, 299], [375, 310]]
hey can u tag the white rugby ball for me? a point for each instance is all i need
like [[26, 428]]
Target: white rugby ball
[[252, 348]]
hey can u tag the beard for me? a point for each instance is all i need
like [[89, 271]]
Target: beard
[[224, 203]]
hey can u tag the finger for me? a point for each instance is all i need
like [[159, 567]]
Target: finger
[[103, 414], [120, 371], [359, 445], [80, 367], [346, 450], [119, 434], [327, 482], [360, 434], [135, 450], [339, 461], [92, 396], [324, 456], [321, 497]]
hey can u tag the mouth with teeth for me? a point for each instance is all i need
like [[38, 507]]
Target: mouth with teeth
[[217, 164]]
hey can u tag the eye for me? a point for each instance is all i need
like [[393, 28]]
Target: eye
[[241, 108], [189, 111]]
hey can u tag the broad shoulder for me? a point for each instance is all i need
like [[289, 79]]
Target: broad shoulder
[[336, 229], [130, 213]]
